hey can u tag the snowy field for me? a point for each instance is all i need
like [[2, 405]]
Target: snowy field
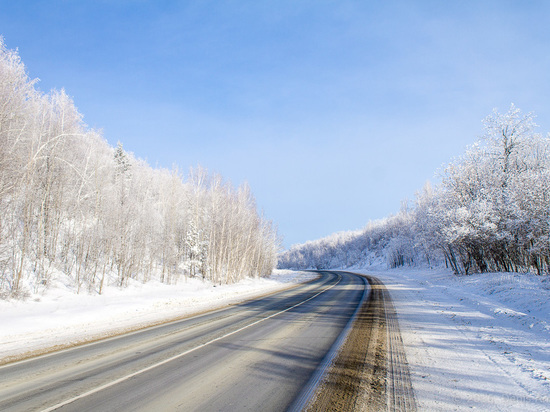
[[480, 342], [61, 318]]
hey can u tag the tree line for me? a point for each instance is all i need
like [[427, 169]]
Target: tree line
[[490, 212], [73, 207]]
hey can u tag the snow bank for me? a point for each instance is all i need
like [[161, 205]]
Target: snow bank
[[476, 342], [60, 318]]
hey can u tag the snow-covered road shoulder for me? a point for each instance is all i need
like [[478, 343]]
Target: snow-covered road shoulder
[[477, 342], [59, 318]]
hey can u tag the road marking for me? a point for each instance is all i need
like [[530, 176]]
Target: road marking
[[131, 375], [305, 395]]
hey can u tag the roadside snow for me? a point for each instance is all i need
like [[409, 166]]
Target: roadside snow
[[477, 342], [60, 318]]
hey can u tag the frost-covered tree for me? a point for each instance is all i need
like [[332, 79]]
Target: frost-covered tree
[[71, 204], [491, 212], [485, 224]]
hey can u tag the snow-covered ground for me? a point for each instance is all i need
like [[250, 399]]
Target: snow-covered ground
[[60, 318], [479, 342]]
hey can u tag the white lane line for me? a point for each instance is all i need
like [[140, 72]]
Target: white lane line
[[307, 392], [131, 375]]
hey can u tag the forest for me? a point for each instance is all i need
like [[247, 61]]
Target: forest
[[489, 213], [76, 210]]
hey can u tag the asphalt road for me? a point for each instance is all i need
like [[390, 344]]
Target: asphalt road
[[263, 355]]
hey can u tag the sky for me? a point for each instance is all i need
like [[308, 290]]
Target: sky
[[334, 112]]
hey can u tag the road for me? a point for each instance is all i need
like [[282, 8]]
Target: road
[[266, 354]]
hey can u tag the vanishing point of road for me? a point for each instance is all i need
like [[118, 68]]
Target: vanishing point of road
[[330, 344]]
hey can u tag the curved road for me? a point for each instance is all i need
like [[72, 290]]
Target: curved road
[[264, 355]]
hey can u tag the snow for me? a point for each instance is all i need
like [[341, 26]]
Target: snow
[[61, 318], [479, 342]]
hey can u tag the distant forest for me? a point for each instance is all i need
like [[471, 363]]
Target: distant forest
[[490, 212], [75, 210]]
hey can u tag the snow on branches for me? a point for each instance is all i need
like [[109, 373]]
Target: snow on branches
[[490, 213], [75, 210]]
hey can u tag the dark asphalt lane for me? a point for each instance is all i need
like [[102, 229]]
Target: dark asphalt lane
[[258, 355]]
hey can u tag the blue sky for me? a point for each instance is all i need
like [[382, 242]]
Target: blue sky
[[333, 111]]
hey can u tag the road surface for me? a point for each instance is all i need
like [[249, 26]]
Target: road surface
[[267, 354]]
